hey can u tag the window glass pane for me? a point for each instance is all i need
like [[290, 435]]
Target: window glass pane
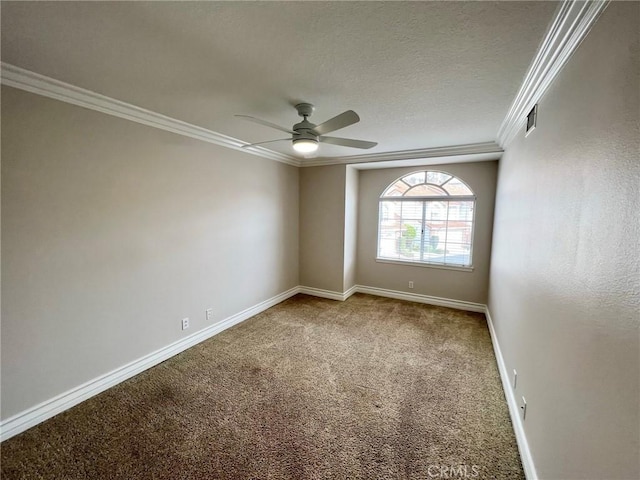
[[435, 234], [410, 231], [456, 187], [389, 210], [435, 210], [425, 191], [410, 239], [461, 260], [411, 210], [461, 210], [396, 190], [458, 232], [457, 255], [400, 230], [436, 227], [414, 178], [437, 177], [390, 228], [387, 243]]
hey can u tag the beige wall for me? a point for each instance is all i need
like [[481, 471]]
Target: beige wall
[[322, 215], [564, 278], [113, 231], [453, 284], [350, 227]]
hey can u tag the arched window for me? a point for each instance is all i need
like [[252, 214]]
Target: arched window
[[427, 217]]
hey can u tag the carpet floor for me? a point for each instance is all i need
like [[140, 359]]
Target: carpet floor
[[369, 388]]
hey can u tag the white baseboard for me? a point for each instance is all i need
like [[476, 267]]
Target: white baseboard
[[383, 292], [319, 292], [350, 292], [514, 411], [330, 294], [416, 297], [45, 410]]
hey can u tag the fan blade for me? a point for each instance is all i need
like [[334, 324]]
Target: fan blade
[[347, 142], [336, 123], [268, 141], [265, 123]]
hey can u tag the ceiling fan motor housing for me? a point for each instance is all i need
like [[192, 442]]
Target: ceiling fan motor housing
[[305, 139], [304, 129]]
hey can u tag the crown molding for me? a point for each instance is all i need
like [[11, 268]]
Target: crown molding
[[452, 154], [29, 81], [569, 27], [48, 87]]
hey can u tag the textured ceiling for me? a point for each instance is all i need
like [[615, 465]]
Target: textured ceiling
[[419, 74]]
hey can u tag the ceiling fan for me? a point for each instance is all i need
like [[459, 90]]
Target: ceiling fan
[[305, 136]]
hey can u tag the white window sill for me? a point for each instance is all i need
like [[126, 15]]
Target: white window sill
[[428, 265]]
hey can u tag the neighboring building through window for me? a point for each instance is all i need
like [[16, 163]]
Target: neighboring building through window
[[427, 217]]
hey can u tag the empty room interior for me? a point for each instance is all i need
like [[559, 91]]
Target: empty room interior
[[304, 240]]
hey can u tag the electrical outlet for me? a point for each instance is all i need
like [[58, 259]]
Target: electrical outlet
[[411, 284], [523, 408], [209, 312], [185, 323], [515, 378]]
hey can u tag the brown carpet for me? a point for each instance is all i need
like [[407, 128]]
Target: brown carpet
[[370, 388]]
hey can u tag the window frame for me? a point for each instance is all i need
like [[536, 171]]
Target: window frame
[[424, 201]]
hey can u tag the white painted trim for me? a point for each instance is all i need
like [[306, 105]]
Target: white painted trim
[[48, 87], [572, 22], [330, 294], [29, 81], [416, 297], [474, 152], [47, 409], [383, 292], [514, 411], [570, 26], [319, 292], [424, 264], [350, 292]]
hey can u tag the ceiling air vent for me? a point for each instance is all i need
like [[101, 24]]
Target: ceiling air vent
[[531, 119]]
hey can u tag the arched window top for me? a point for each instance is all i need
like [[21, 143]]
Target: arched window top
[[428, 183]]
